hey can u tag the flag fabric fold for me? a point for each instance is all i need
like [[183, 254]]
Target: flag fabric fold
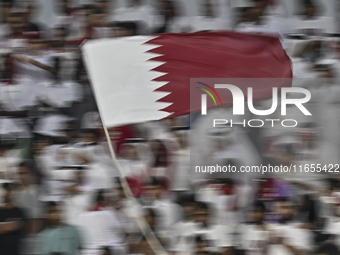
[[144, 78]]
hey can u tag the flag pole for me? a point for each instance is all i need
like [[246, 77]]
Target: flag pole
[[142, 224]]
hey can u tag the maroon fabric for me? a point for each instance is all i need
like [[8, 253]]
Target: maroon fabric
[[217, 55]]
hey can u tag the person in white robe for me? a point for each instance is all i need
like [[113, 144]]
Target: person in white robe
[[144, 15], [210, 19]]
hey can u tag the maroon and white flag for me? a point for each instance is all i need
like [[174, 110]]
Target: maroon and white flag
[[144, 78]]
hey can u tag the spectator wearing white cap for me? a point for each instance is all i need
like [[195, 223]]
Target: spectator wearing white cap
[[15, 102], [135, 158], [143, 15], [97, 174], [78, 197], [171, 18], [180, 161], [258, 23], [68, 16], [34, 66], [9, 157], [310, 20], [57, 97]]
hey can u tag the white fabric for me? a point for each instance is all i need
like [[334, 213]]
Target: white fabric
[[327, 113], [98, 176], [51, 125], [315, 26], [184, 232], [132, 56], [271, 26], [144, 14], [181, 170], [25, 73], [169, 213], [16, 98], [100, 228], [333, 227], [293, 235], [61, 94], [8, 161], [202, 23], [76, 205], [254, 239]]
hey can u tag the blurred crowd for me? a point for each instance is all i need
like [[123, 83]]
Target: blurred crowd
[[61, 193]]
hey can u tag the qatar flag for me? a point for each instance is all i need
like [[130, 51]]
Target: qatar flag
[[145, 78]]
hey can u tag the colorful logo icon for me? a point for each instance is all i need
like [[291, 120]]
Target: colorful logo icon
[[209, 93]]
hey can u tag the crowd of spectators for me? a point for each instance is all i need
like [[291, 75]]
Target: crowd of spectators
[[61, 193]]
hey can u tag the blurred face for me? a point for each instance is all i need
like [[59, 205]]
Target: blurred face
[[256, 11], [168, 9], [201, 215], [188, 210], [309, 10], [257, 214], [24, 175], [102, 200], [135, 2], [129, 151], [120, 32], [59, 37], [78, 177], [38, 44], [153, 190], [87, 137], [209, 8], [337, 47], [120, 191], [326, 74], [220, 143], [5, 10], [29, 10], [103, 5], [88, 14], [62, 5], [39, 145], [53, 215], [144, 248], [2, 151], [16, 22], [7, 196], [286, 210], [200, 247], [150, 220], [284, 158], [181, 138]]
